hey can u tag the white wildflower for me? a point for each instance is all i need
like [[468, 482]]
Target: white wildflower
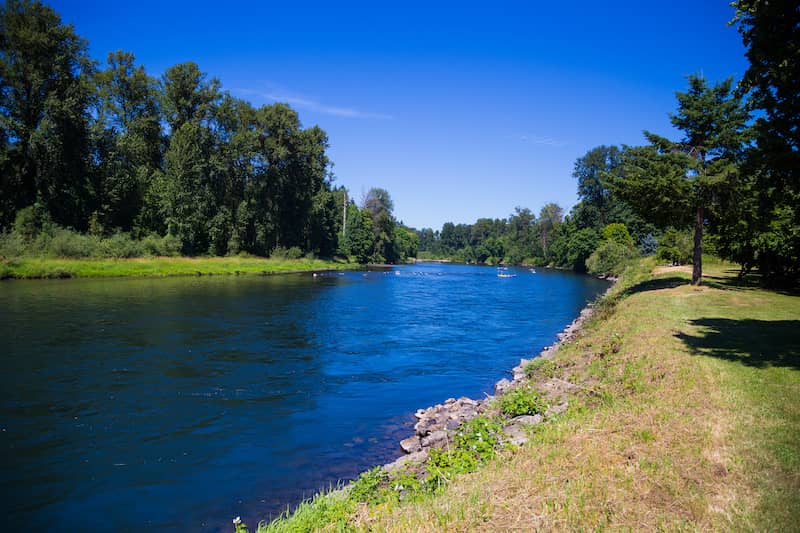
[[237, 520]]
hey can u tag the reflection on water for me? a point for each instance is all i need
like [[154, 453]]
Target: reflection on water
[[179, 403]]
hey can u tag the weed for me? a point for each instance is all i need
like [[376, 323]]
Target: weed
[[540, 366], [524, 400]]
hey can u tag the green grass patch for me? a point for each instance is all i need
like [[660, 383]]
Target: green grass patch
[[33, 268]]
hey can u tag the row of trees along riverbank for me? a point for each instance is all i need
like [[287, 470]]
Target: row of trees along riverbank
[[112, 162], [729, 185]]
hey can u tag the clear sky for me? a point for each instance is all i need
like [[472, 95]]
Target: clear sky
[[460, 110]]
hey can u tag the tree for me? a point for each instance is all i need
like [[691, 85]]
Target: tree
[[186, 95], [380, 206], [667, 181], [550, 217], [765, 230], [591, 171], [188, 202], [127, 139], [44, 120]]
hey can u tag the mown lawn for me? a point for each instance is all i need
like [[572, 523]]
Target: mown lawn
[[687, 419], [28, 268]]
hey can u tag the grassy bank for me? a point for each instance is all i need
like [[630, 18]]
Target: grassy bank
[[31, 268], [683, 415]]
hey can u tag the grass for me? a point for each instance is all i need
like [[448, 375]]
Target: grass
[[32, 268], [683, 416]]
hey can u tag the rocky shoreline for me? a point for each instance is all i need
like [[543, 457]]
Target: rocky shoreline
[[437, 424]]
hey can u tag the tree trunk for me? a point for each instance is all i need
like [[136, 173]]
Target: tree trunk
[[697, 256]]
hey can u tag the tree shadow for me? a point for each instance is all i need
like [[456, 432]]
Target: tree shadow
[[757, 343], [731, 281], [656, 285]]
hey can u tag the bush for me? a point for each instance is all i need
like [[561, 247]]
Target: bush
[[675, 247], [609, 258], [618, 233], [168, 245], [648, 246], [279, 252], [120, 246], [522, 401], [294, 253], [12, 245], [66, 243]]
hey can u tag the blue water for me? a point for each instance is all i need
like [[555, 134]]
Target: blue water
[[177, 404]]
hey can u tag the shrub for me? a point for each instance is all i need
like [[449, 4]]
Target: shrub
[[168, 245], [609, 258], [648, 246], [67, 243], [619, 234], [522, 401], [294, 253], [120, 246], [12, 245], [675, 247], [279, 252]]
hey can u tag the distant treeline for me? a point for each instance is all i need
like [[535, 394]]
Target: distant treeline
[[113, 154], [110, 161], [730, 185]]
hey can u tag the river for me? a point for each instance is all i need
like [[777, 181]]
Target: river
[[177, 404]]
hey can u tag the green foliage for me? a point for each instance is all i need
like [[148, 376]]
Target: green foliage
[[675, 247], [475, 442], [610, 258], [522, 400], [365, 489], [618, 234], [540, 366], [648, 245], [294, 253]]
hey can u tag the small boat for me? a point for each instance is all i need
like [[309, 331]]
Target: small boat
[[502, 273], [533, 271]]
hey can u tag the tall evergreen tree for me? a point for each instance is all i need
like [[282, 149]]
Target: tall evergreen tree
[[668, 180], [44, 118]]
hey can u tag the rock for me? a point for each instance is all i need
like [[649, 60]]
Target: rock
[[452, 424], [468, 401], [515, 434], [556, 409], [528, 420], [501, 386], [466, 412], [437, 439], [450, 400], [407, 460], [411, 444], [420, 413]]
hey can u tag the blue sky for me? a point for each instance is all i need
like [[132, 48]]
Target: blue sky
[[459, 109]]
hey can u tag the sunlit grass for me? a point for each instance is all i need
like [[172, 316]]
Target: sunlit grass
[[26, 268]]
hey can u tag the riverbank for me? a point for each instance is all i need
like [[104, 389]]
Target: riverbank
[[680, 413], [52, 268]]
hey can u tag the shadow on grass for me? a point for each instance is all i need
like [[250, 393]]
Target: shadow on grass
[[757, 343], [730, 280], [655, 285]]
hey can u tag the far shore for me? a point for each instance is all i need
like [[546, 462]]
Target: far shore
[[60, 268]]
